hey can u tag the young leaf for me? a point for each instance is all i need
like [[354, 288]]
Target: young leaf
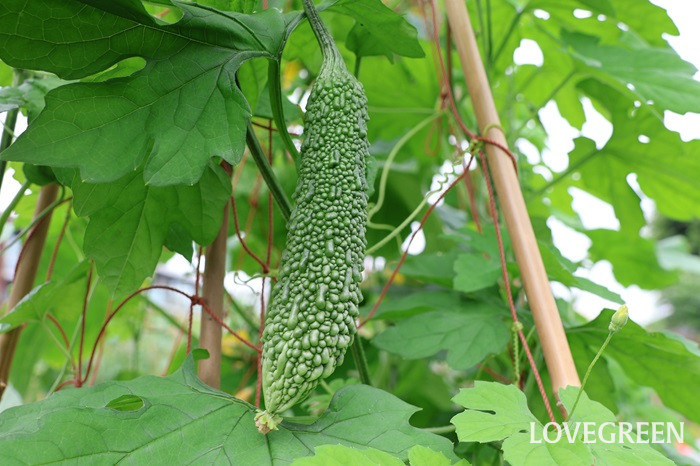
[[494, 412], [615, 453], [499, 412]]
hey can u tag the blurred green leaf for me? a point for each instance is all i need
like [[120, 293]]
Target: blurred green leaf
[[664, 362], [474, 272], [658, 75], [468, 335]]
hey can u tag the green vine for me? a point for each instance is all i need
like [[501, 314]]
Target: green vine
[[274, 85], [268, 175], [618, 320]]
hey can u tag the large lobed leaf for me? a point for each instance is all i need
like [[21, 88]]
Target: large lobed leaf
[[179, 420], [130, 222], [175, 114]]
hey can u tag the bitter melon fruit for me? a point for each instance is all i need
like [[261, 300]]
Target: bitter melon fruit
[[314, 304]]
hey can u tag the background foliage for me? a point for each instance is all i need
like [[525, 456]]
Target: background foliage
[[132, 108]]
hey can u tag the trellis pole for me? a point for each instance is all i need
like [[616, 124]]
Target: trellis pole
[[555, 347]]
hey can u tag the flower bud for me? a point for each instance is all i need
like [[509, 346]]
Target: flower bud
[[619, 319]]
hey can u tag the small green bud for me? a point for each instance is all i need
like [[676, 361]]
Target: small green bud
[[619, 319]]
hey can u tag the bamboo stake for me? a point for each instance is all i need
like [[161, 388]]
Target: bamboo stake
[[547, 320], [23, 281], [209, 370]]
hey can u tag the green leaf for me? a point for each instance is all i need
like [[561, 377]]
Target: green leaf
[[6, 75], [468, 335], [606, 178], [126, 403], [647, 19], [562, 270], [657, 74], [43, 298], [634, 259], [434, 268], [519, 449], [665, 165], [180, 110], [410, 99], [494, 412], [243, 6], [81, 425], [674, 253], [130, 221], [620, 453], [474, 272], [38, 174], [661, 361], [499, 412], [416, 303], [378, 30], [423, 456], [10, 98], [339, 455]]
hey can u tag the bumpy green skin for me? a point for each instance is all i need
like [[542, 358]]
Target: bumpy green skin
[[311, 318]]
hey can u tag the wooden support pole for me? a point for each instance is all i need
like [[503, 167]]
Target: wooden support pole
[[23, 281], [209, 370], [555, 347]]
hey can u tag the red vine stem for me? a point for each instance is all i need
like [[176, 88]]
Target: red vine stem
[[448, 89], [64, 383], [254, 204], [196, 293], [102, 347], [64, 337], [197, 299], [506, 280], [260, 125], [245, 247], [59, 240], [492, 203], [494, 374]]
